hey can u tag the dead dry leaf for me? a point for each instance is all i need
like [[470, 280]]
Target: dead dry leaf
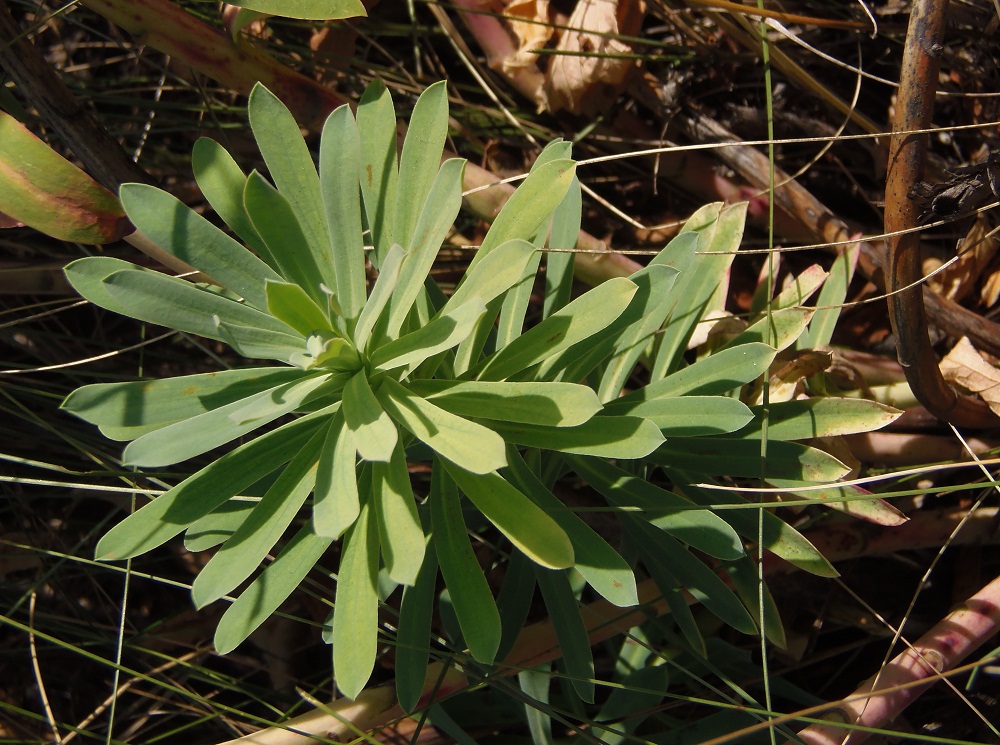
[[965, 367], [592, 63], [962, 277]]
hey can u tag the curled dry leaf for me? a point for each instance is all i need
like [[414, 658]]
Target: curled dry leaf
[[529, 22], [592, 63], [961, 278], [965, 367]]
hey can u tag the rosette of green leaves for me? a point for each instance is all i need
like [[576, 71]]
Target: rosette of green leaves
[[356, 381]]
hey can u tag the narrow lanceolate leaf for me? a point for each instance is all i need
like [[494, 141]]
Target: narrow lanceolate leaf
[[529, 206], [374, 433], [857, 502], [45, 191], [200, 494], [547, 404], [564, 612], [688, 416], [270, 589], [222, 183], [603, 436], [182, 440], [494, 275], [379, 171], [581, 319], [785, 460], [381, 292], [419, 161], [339, 163], [471, 595], [309, 10], [441, 334], [563, 239], [719, 373], [526, 525], [602, 566], [355, 616], [181, 231], [291, 304], [278, 225], [174, 303], [87, 277], [671, 513], [779, 329], [820, 417], [144, 405], [260, 344], [291, 167], [335, 499], [215, 528], [416, 611], [467, 444], [399, 529], [240, 556]]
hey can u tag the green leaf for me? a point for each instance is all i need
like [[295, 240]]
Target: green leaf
[[174, 303], [604, 436], [87, 277], [222, 183], [780, 329], [416, 612], [703, 583], [494, 275], [725, 455], [846, 499], [631, 703], [213, 529], [309, 10], [717, 374], [260, 344], [399, 529], [335, 500], [779, 537], [418, 166], [471, 595], [701, 274], [243, 552], [45, 191], [831, 297], [467, 444], [381, 292], [581, 319], [262, 598], [547, 404], [688, 416], [182, 232], [563, 239], [339, 165], [574, 644], [291, 304], [441, 334], [375, 435], [133, 408], [745, 579], [820, 417], [198, 495], [535, 684], [185, 439], [526, 525], [529, 206], [379, 172], [606, 571], [291, 167], [276, 222], [698, 527], [355, 616], [515, 599]]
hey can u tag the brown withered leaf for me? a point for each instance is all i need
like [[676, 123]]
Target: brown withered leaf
[[965, 367], [592, 65], [960, 278]]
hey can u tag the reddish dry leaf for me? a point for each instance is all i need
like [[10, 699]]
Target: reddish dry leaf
[[961, 278], [529, 22], [592, 64]]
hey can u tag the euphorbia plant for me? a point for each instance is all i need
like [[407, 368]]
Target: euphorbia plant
[[363, 380]]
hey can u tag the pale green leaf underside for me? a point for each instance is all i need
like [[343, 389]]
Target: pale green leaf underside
[[374, 432], [442, 333], [336, 502], [291, 304], [400, 532]]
